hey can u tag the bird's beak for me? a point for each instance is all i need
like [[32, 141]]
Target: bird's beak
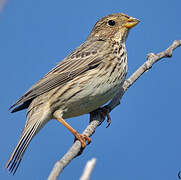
[[131, 22]]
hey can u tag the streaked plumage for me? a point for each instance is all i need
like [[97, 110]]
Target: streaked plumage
[[85, 80]]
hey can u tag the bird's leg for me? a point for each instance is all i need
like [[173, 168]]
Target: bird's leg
[[104, 112], [81, 137]]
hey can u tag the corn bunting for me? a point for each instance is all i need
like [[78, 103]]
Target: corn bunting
[[85, 80]]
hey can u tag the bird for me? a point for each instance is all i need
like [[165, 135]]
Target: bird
[[82, 82]]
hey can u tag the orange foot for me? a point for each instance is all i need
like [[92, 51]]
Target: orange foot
[[82, 138]]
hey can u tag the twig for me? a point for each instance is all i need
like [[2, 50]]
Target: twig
[[96, 117], [88, 169]]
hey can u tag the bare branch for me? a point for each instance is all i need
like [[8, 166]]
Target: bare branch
[[97, 119], [151, 59], [88, 169]]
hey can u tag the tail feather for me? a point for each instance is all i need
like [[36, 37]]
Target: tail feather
[[16, 157]]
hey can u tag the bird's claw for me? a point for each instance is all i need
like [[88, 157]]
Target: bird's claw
[[82, 138], [105, 110], [105, 113]]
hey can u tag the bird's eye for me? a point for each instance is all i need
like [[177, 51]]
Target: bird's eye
[[111, 23]]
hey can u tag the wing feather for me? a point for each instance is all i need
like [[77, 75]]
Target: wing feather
[[79, 61]]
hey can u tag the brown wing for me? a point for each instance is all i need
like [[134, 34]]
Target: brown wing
[[83, 59]]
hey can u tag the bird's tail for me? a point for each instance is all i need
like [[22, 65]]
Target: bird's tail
[[27, 135], [36, 119]]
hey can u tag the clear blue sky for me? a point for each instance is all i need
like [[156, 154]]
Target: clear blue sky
[[143, 141]]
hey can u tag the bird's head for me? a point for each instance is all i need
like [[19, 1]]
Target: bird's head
[[113, 26]]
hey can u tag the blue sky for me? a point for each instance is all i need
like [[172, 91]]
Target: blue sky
[[143, 141]]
